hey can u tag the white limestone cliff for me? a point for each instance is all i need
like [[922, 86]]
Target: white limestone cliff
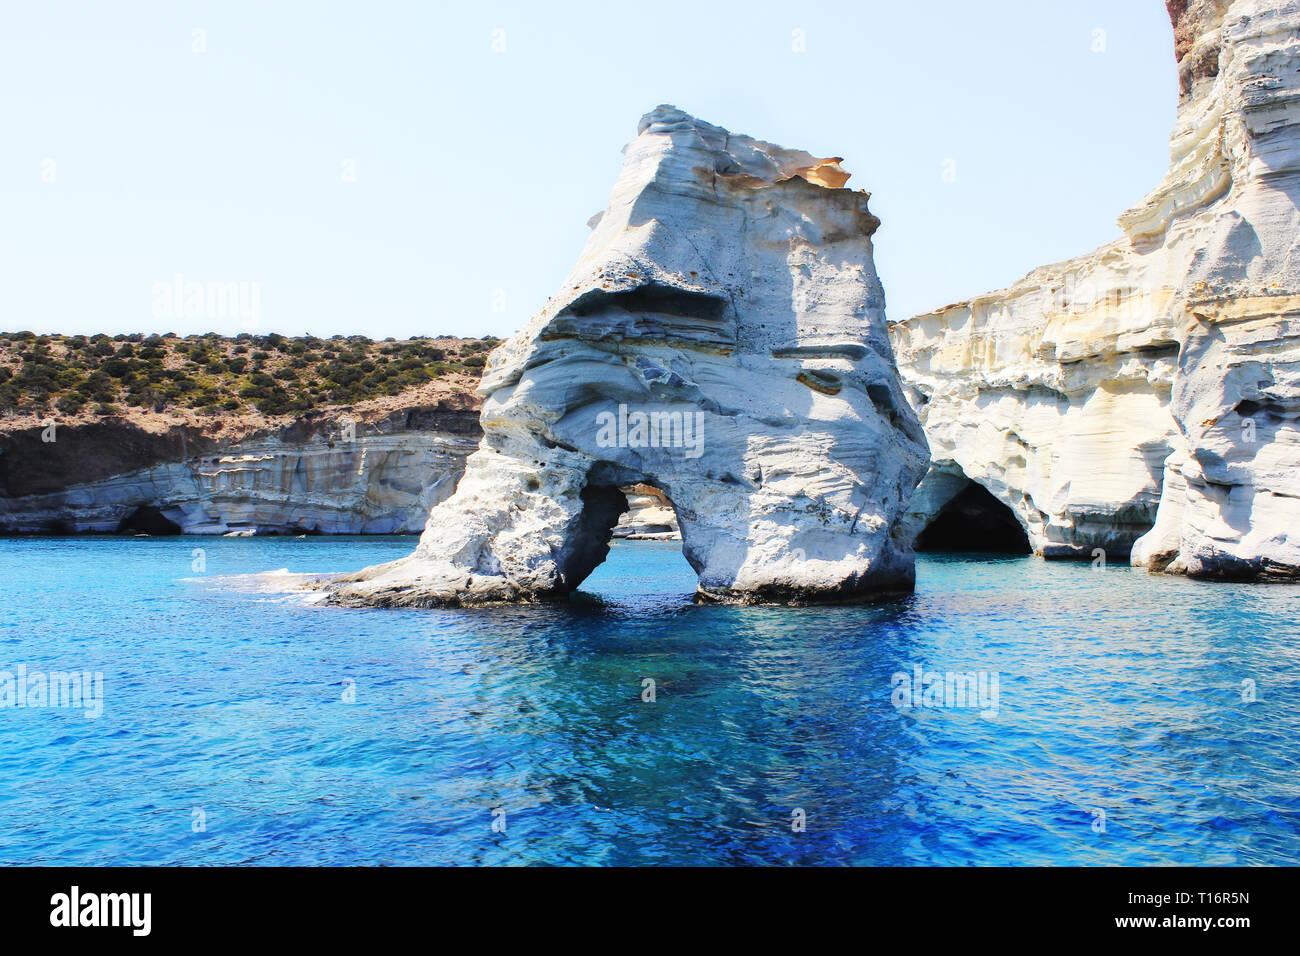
[[1144, 398], [722, 338], [649, 516], [317, 483]]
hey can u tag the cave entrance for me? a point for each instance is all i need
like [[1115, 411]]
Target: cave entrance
[[973, 522], [148, 519]]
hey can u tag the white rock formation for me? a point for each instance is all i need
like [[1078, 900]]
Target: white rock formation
[[318, 483], [722, 338], [1156, 380], [649, 516]]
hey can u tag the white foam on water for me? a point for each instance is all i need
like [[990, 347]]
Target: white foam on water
[[289, 586]]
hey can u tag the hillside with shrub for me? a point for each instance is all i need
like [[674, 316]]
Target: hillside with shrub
[[80, 376]]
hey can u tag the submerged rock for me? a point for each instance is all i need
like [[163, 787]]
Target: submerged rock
[[721, 338], [1145, 398]]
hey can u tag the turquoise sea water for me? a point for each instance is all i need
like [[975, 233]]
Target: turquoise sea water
[[252, 728]]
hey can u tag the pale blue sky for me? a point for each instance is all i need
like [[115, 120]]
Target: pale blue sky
[[475, 171]]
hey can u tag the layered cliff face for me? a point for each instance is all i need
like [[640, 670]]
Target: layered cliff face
[[649, 516], [377, 473], [372, 471], [1143, 399], [1054, 396], [721, 338]]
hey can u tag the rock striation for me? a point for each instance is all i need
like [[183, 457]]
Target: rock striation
[[721, 338], [649, 516], [377, 474], [334, 474], [1143, 399]]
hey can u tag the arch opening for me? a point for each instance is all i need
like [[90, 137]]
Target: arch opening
[[972, 522], [602, 506], [635, 514]]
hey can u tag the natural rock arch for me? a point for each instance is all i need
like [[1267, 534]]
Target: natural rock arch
[[722, 338]]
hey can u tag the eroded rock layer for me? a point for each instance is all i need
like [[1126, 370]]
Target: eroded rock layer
[[649, 516], [721, 338], [1144, 398], [330, 475]]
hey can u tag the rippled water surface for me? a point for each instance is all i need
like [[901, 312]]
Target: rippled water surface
[[1121, 736]]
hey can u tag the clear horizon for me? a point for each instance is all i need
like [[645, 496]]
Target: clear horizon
[[430, 170]]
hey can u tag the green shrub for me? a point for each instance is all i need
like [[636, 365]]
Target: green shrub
[[283, 375]]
